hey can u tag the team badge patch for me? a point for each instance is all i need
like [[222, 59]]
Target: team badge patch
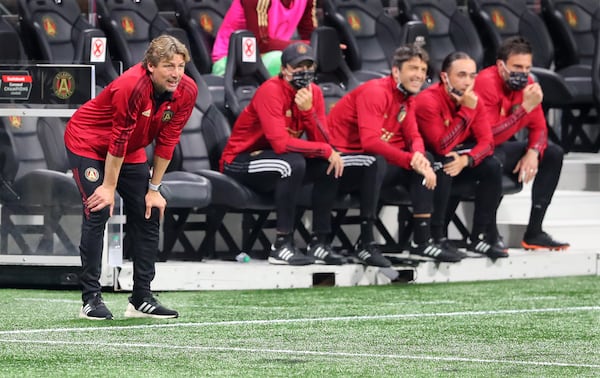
[[63, 85], [428, 20], [167, 116], [207, 23], [401, 114], [498, 19], [49, 26], [128, 25], [15, 121], [91, 174], [354, 21]]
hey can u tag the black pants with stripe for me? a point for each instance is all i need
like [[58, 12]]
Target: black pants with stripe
[[142, 234], [363, 174], [284, 175], [487, 178]]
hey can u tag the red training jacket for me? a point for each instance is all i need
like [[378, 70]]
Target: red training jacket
[[505, 113], [123, 119], [444, 125], [272, 121], [376, 118]]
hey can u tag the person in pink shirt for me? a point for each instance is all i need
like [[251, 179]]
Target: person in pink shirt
[[272, 22]]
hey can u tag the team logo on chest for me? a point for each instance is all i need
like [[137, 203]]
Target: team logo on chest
[[401, 114], [167, 116], [91, 174]]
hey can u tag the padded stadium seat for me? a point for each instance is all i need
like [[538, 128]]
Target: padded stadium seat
[[332, 74], [12, 48], [574, 27], [131, 25], [30, 189], [56, 32], [370, 34], [201, 19], [448, 27], [244, 72]]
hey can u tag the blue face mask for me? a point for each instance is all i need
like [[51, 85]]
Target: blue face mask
[[302, 79], [516, 80]]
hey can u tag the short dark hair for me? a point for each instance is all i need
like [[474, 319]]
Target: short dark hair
[[407, 52], [450, 58], [513, 46]]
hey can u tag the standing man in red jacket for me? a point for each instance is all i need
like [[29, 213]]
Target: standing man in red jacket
[[266, 152], [378, 119], [453, 125], [106, 140], [512, 101]]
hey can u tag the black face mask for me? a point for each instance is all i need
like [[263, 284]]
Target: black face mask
[[302, 79], [403, 90], [516, 80]]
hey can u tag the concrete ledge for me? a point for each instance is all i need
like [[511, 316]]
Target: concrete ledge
[[222, 275]]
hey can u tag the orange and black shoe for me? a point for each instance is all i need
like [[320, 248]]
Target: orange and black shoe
[[543, 241]]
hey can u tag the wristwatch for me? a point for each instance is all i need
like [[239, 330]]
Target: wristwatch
[[153, 187]]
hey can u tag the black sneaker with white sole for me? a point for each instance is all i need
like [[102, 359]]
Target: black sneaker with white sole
[[445, 243], [437, 252], [95, 309], [323, 254], [371, 255], [148, 307], [287, 254], [482, 246]]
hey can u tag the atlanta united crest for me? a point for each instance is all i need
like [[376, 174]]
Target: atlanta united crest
[[167, 116], [92, 174], [401, 114], [63, 85]]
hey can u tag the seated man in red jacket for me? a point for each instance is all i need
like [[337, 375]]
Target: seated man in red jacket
[[266, 152], [512, 101], [453, 125], [378, 119]]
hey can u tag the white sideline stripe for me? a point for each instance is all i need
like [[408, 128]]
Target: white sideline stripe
[[302, 352], [305, 320], [49, 300]]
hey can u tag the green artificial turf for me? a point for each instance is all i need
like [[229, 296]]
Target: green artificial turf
[[516, 328]]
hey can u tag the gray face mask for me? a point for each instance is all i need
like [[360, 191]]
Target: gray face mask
[[516, 80]]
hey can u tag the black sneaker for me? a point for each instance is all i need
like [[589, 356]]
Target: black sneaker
[[371, 255], [482, 246], [287, 254], [445, 243], [149, 308], [430, 249], [323, 254], [543, 241], [95, 309]]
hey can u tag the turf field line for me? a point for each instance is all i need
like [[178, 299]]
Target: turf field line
[[305, 320], [300, 352], [26, 299]]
